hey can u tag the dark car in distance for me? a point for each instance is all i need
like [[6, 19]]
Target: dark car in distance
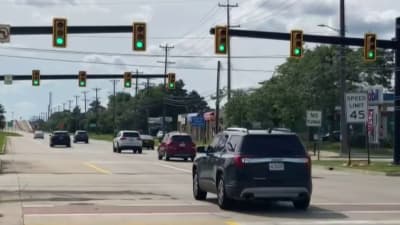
[[148, 141], [81, 136], [177, 145], [60, 138], [253, 165]]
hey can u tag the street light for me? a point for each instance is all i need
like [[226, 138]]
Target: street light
[[343, 122], [329, 27]]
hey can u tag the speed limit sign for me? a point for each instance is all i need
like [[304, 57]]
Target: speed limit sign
[[356, 107]]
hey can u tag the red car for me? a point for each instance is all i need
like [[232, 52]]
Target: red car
[[177, 145]]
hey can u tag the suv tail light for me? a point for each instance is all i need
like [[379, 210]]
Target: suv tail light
[[193, 145], [123, 138], [239, 161], [308, 164]]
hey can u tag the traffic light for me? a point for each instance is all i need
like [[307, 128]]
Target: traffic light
[[296, 44], [370, 47], [59, 32], [82, 78], [171, 81], [221, 40], [139, 36], [35, 77], [127, 80]]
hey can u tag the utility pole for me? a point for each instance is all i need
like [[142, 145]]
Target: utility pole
[[85, 99], [97, 107], [228, 19], [64, 103], [49, 106], [114, 105], [76, 100], [217, 101], [342, 72], [166, 62], [148, 86], [396, 151], [136, 83]]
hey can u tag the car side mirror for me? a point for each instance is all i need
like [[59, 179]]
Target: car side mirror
[[210, 149]]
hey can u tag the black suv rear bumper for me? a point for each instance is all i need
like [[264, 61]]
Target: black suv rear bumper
[[276, 193]]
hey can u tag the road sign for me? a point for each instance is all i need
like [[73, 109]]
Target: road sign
[[4, 33], [314, 118], [356, 107], [92, 125], [198, 121], [8, 79]]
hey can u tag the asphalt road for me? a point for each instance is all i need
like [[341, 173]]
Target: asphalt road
[[88, 184]]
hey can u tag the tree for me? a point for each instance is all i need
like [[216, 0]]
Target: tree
[[2, 117], [308, 84]]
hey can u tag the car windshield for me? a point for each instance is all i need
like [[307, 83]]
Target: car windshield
[[130, 134], [272, 146], [181, 138]]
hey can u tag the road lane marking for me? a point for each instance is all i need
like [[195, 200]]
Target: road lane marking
[[98, 169], [231, 222], [38, 206], [174, 168], [360, 203], [118, 214], [338, 222]]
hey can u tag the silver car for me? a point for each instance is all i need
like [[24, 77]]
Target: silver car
[[38, 134], [128, 139]]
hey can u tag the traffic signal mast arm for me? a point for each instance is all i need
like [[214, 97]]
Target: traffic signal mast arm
[[386, 44]]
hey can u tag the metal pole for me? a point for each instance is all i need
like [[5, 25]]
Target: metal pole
[[342, 73], [217, 101], [114, 108], [137, 83], [396, 152], [229, 51]]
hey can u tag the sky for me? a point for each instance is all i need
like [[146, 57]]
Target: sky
[[184, 24]]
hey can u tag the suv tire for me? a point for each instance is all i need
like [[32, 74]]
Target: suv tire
[[198, 193], [166, 156], [302, 204], [224, 202]]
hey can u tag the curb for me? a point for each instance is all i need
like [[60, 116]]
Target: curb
[[360, 171]]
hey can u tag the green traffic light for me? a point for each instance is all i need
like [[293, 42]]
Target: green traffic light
[[297, 51], [128, 84], [139, 44], [371, 54], [221, 48], [171, 85], [36, 83], [60, 41], [82, 83]]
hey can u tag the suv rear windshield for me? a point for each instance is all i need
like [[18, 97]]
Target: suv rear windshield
[[61, 133], [273, 146], [130, 134], [82, 132], [181, 138]]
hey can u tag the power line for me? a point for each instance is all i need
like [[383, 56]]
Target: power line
[[129, 65], [141, 55]]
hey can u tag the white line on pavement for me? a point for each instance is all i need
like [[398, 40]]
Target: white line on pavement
[[174, 168], [355, 203], [118, 214], [37, 206], [334, 222]]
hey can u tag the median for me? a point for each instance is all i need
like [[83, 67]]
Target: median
[[383, 167], [3, 140]]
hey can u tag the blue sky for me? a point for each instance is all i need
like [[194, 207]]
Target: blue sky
[[182, 23]]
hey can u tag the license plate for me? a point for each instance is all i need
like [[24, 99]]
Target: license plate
[[182, 145], [277, 166]]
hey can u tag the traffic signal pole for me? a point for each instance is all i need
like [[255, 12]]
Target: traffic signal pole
[[345, 41], [396, 153]]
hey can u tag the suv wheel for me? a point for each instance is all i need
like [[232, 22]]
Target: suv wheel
[[140, 150], [302, 204], [159, 156], [118, 149], [223, 201], [198, 193]]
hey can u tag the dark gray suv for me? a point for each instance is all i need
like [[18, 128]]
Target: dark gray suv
[[253, 165]]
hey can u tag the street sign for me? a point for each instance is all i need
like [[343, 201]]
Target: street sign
[[197, 121], [92, 125], [356, 107], [4, 33], [8, 79], [314, 118]]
